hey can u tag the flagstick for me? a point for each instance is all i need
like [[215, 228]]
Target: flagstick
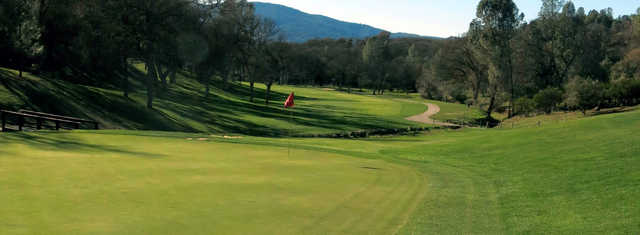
[[289, 104], [291, 123]]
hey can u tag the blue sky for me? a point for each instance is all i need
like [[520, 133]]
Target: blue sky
[[429, 17]]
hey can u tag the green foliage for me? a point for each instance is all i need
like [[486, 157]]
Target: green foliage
[[584, 94], [548, 99], [19, 33], [524, 106], [491, 33], [624, 92], [376, 56], [629, 67]]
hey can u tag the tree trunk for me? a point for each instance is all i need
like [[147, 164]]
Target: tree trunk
[[172, 76], [513, 91], [125, 78], [206, 88], [163, 76], [150, 82], [491, 104], [164, 82], [20, 71], [125, 86], [266, 99], [476, 89], [251, 94]]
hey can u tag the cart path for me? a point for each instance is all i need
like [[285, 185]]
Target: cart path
[[425, 117]]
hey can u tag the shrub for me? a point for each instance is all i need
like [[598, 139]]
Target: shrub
[[547, 99], [584, 94], [459, 95], [524, 106], [625, 92]]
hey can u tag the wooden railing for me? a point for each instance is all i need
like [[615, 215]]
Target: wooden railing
[[41, 119], [94, 124]]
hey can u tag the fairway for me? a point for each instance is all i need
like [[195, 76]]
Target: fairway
[[162, 183], [242, 117], [574, 177]]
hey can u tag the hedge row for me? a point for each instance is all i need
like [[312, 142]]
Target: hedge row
[[378, 132]]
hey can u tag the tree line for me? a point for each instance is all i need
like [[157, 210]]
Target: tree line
[[566, 58], [95, 42]]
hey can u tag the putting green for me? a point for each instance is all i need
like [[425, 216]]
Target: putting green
[[128, 183]]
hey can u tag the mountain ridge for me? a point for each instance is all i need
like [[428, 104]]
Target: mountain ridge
[[296, 25]]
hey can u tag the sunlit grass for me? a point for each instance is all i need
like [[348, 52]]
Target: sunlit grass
[[164, 183], [578, 177]]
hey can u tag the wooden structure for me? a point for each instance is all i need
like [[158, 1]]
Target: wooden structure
[[41, 119], [93, 124]]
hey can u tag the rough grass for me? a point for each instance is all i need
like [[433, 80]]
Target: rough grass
[[536, 121]]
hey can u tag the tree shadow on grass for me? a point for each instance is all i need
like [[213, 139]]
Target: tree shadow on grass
[[183, 107], [62, 98], [65, 143], [225, 114]]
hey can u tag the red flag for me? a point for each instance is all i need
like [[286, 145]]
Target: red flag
[[289, 103]]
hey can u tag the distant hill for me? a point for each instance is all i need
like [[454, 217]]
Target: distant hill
[[301, 27]]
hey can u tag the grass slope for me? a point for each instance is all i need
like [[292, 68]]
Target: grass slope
[[183, 107], [575, 177]]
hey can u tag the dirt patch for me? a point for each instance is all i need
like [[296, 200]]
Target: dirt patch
[[227, 137], [425, 117]]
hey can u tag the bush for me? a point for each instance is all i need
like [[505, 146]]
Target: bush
[[584, 94], [459, 95], [524, 106], [624, 92], [547, 99]]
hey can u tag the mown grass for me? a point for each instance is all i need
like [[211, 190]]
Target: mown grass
[[575, 177], [171, 183]]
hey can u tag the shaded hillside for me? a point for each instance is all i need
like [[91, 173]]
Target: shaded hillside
[[183, 107]]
